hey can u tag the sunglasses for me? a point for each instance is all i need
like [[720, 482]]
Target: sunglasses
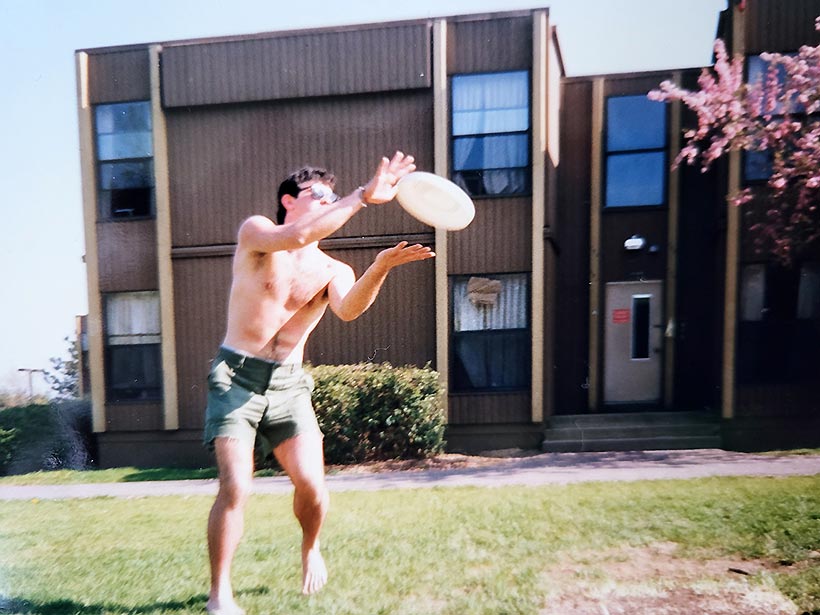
[[322, 191]]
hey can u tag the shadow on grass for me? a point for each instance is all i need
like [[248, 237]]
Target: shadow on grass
[[161, 474], [195, 604], [169, 474]]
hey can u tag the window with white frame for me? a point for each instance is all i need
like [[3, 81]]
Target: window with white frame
[[490, 127], [132, 337], [636, 151], [491, 338], [125, 165]]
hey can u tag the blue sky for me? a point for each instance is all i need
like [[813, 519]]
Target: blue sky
[[42, 252]]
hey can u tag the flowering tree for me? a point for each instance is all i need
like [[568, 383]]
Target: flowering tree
[[774, 114]]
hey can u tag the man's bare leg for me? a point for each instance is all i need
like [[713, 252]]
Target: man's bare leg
[[226, 522], [303, 459]]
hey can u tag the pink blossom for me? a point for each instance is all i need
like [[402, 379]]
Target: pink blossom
[[774, 115]]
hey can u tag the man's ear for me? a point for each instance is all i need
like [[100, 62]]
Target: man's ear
[[287, 200]]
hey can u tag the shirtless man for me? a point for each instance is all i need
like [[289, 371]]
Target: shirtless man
[[282, 285]]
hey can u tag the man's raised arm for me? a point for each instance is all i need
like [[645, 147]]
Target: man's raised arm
[[260, 234]]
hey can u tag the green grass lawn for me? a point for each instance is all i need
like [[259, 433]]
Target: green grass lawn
[[458, 551]]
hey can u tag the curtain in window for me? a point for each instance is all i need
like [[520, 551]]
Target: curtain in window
[[135, 372], [491, 120], [132, 318], [507, 311], [491, 360], [491, 103]]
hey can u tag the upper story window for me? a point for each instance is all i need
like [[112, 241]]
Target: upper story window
[[636, 145], [757, 165], [125, 168], [491, 138]]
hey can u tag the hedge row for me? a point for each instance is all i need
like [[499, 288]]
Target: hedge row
[[368, 412], [374, 412], [45, 437]]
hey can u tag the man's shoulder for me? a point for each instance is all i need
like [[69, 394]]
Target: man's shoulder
[[256, 221]]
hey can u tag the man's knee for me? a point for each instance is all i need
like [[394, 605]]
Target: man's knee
[[310, 490], [235, 463], [234, 491]]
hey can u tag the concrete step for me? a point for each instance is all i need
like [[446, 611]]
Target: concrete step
[[630, 444], [631, 418], [632, 431]]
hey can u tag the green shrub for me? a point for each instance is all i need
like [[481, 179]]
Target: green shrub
[[7, 437], [44, 437], [371, 412]]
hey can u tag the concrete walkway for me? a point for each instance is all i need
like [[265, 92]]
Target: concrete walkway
[[550, 468]]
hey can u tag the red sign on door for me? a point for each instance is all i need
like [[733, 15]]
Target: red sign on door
[[620, 316]]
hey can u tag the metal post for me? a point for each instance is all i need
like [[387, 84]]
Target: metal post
[[30, 383]]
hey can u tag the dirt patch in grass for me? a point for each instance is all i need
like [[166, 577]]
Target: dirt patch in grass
[[445, 461], [656, 580]]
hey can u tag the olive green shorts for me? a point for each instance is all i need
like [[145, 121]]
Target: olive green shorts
[[257, 401]]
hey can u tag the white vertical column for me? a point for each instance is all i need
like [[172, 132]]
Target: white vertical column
[[441, 152], [540, 38], [671, 284], [733, 215], [162, 200], [89, 191], [595, 203]]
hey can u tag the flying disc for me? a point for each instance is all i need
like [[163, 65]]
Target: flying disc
[[436, 201]]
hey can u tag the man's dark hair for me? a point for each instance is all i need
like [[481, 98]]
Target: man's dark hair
[[291, 186]]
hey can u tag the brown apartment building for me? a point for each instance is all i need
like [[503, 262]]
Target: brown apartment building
[[627, 310]]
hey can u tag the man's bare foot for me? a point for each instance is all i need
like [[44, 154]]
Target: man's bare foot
[[314, 571], [223, 607]]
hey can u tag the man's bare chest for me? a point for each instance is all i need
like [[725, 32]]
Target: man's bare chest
[[297, 281]]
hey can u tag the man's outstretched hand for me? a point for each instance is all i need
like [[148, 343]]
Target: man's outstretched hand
[[403, 253], [382, 187]]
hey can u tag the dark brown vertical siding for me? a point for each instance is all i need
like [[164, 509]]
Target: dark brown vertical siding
[[133, 417], [701, 259], [500, 237], [490, 408], [297, 66], [127, 256], [619, 264], [498, 240], [489, 45], [228, 161], [780, 25], [399, 327], [778, 400], [618, 225], [119, 75], [633, 84], [201, 287], [572, 239]]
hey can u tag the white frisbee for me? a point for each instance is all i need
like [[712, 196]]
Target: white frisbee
[[435, 201]]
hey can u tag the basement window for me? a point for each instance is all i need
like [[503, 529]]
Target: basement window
[[132, 346], [491, 336]]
